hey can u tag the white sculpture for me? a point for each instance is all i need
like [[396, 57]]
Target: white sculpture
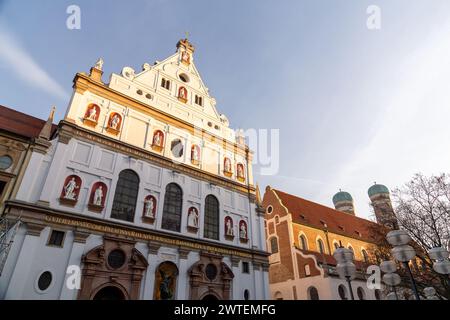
[[98, 196], [149, 206], [99, 64], [229, 228], [93, 114], [185, 56], [183, 93], [227, 165], [195, 153], [193, 218], [240, 172], [115, 121], [243, 231], [157, 139], [69, 189]]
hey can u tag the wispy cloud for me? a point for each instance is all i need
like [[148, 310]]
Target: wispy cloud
[[25, 67]]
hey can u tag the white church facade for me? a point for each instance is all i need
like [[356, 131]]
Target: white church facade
[[145, 189]]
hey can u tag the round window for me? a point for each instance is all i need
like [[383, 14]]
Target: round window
[[177, 148], [45, 280], [269, 209], [5, 162], [116, 259], [211, 271]]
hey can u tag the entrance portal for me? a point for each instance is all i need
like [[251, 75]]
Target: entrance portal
[[109, 293]]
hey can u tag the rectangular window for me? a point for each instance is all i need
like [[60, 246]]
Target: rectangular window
[[165, 84], [198, 100], [245, 267], [56, 238]]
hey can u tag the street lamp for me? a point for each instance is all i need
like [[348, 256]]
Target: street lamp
[[403, 252], [345, 266], [441, 262], [390, 277]]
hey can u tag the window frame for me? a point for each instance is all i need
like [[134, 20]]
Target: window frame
[[129, 195], [172, 208], [211, 223]]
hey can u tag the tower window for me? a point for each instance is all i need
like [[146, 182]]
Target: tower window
[[56, 238], [198, 100], [165, 83]]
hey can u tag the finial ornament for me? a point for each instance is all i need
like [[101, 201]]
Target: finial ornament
[[186, 33], [99, 64]]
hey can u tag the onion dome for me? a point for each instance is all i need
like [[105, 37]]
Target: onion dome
[[342, 196], [377, 189]]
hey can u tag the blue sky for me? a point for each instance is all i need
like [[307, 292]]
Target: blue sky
[[353, 105]]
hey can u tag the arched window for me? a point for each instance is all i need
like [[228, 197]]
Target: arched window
[[278, 295], [211, 229], [303, 242], [246, 294], [351, 248], [361, 294], [336, 245], [273, 245], [125, 197], [320, 246], [342, 290], [365, 255], [313, 294], [173, 201]]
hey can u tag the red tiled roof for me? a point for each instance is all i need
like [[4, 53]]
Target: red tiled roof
[[20, 123], [316, 215]]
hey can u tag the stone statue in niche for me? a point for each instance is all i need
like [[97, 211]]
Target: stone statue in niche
[[193, 218], [114, 121], [240, 171], [69, 189], [165, 291], [227, 165], [157, 139], [183, 93], [243, 231], [185, 57], [195, 156], [98, 196], [149, 207], [229, 228], [92, 114]]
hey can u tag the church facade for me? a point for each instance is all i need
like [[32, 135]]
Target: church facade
[[143, 192], [302, 237]]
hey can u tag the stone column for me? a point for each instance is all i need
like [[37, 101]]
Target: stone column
[[78, 244], [257, 281], [237, 277], [265, 281], [183, 284], [152, 259], [22, 271]]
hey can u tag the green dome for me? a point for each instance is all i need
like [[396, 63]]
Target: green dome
[[342, 196], [377, 189]]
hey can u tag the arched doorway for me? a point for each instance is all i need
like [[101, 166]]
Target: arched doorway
[[109, 293], [210, 297]]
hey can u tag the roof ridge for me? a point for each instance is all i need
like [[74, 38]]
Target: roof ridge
[[21, 113], [318, 204]]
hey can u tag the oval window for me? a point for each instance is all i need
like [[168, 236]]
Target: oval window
[[116, 259], [5, 162], [177, 148], [211, 271], [184, 77], [45, 280]]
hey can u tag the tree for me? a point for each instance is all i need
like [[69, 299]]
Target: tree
[[422, 208]]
